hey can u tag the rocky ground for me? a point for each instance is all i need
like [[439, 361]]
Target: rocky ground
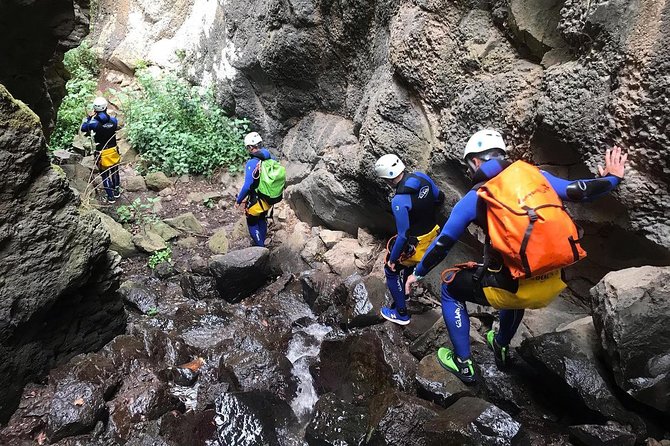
[[235, 345]]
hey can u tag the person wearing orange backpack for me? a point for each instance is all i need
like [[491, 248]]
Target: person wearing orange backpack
[[529, 239]]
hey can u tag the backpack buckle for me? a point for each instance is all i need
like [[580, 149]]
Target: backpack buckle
[[532, 214]]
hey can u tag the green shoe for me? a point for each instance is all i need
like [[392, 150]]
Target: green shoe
[[464, 369], [499, 353]]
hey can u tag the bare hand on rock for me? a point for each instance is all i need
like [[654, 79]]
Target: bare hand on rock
[[615, 163]]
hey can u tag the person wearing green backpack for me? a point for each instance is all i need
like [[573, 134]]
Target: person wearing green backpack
[[264, 181]]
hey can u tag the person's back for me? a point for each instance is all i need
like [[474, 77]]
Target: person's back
[[491, 282]]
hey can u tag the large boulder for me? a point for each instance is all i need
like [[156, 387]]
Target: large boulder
[[335, 421], [240, 273], [121, 240], [568, 361], [437, 385], [624, 301], [57, 278], [75, 408]]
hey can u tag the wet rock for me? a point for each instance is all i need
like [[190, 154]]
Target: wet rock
[[389, 413], [353, 368], [421, 323], [139, 295], [92, 368], [437, 336], [623, 302], [165, 231], [566, 359], [601, 435], [157, 181], [218, 242], [286, 257], [437, 385], [256, 367], [337, 422], [121, 240], [149, 242], [190, 428], [134, 183], [365, 298], [396, 354], [75, 409], [473, 422], [239, 273], [143, 396], [195, 286], [322, 290], [313, 250], [186, 223], [252, 419]]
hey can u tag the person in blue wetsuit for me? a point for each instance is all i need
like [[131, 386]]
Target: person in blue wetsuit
[[256, 208], [485, 156], [414, 204], [103, 128]]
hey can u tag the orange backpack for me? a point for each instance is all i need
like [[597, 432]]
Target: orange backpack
[[527, 223]]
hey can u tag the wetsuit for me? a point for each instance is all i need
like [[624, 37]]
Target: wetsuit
[[257, 208], [104, 129], [466, 287], [413, 206]]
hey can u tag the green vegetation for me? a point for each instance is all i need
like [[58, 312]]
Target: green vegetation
[[209, 203], [82, 63], [179, 128], [138, 212], [153, 311], [158, 257]]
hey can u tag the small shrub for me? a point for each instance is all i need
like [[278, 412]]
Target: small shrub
[[158, 257], [209, 203], [137, 212], [179, 128], [82, 64], [153, 311]]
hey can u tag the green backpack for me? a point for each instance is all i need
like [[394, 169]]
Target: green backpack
[[271, 180]]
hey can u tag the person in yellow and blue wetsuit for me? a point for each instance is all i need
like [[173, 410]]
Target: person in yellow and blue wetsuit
[[494, 285], [103, 127], [414, 204], [256, 207]]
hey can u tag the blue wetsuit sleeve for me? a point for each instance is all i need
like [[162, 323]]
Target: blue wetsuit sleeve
[[401, 205], [248, 179], [88, 124], [464, 213], [582, 190]]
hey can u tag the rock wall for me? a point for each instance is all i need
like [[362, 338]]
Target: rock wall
[[36, 34], [337, 83], [57, 279]]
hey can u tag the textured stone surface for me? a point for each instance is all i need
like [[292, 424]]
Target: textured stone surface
[[631, 311], [239, 273], [121, 240], [56, 276], [335, 87]]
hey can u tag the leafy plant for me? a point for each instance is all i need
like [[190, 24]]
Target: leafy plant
[[179, 128], [209, 203], [138, 212], [82, 64], [153, 311], [158, 257]]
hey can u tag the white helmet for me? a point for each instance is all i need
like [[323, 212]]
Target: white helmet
[[100, 104], [484, 140], [389, 166], [252, 139]]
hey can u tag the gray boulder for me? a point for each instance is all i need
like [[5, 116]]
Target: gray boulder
[[186, 222], [121, 240], [157, 181], [624, 301], [139, 295], [366, 296], [240, 273], [149, 242]]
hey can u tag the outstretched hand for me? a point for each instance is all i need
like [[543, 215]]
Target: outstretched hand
[[615, 163], [411, 280]]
